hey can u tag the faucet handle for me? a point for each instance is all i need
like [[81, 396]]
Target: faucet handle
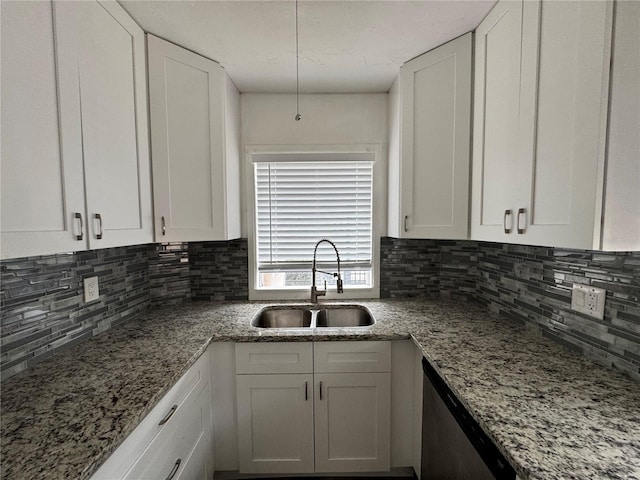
[[325, 285]]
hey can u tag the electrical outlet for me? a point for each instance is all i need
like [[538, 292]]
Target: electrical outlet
[[589, 300], [91, 290]]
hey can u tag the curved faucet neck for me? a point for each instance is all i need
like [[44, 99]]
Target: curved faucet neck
[[315, 251], [314, 291]]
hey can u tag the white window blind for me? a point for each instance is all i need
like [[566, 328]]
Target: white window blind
[[299, 203]]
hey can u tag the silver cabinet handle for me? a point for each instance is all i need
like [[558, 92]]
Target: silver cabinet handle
[[168, 415], [521, 211], [98, 217], [320, 390], [78, 215], [306, 391], [174, 470], [164, 226], [405, 222], [507, 213]]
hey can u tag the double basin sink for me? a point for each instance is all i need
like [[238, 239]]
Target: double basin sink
[[312, 316]]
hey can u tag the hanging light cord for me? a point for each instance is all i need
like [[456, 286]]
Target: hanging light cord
[[298, 115]]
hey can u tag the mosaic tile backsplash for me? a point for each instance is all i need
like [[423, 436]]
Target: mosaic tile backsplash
[[534, 284], [529, 284], [169, 275], [219, 270], [43, 310], [42, 303]]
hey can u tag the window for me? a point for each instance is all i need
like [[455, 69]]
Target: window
[[300, 201]]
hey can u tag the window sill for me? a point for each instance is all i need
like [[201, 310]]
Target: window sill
[[305, 294]]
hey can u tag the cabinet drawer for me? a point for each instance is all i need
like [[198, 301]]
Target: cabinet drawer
[[173, 448], [290, 357], [336, 357], [136, 444]]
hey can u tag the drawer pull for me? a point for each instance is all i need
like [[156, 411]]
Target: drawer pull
[[320, 390], [521, 211], [406, 217], [164, 227], [306, 391], [168, 415], [507, 213], [174, 470]]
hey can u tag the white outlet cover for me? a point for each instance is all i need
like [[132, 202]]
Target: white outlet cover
[[588, 300], [91, 290]]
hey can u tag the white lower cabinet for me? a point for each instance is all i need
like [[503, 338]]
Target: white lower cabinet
[[331, 418], [275, 422], [175, 440], [352, 422]]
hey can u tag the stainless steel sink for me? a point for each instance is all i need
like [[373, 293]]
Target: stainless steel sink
[[283, 317], [312, 316], [344, 316]]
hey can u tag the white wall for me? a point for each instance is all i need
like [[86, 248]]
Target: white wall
[[327, 119]]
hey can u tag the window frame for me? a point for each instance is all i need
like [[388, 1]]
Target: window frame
[[379, 207]]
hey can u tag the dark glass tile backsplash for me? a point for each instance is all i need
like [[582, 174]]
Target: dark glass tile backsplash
[[528, 284], [42, 307], [43, 310], [219, 270], [42, 304], [169, 275], [534, 284]]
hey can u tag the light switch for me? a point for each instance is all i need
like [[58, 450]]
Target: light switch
[[589, 300]]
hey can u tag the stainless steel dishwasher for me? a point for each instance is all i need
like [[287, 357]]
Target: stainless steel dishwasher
[[454, 447]]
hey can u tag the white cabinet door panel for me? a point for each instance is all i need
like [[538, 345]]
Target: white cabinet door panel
[[497, 168], [275, 423], [430, 135], [565, 96], [194, 143], [41, 168], [352, 422], [621, 229], [112, 89], [114, 125]]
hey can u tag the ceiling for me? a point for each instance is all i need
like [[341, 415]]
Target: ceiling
[[345, 46]]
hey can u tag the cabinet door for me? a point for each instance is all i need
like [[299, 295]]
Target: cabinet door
[[188, 143], [275, 423], [565, 80], [621, 228], [113, 103], [498, 177], [352, 422], [435, 143], [41, 166]]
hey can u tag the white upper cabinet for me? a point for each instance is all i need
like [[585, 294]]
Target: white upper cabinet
[[621, 207], [115, 138], [75, 166], [540, 125], [429, 144], [497, 168], [41, 165], [194, 145]]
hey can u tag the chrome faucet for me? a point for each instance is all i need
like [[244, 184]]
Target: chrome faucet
[[315, 293]]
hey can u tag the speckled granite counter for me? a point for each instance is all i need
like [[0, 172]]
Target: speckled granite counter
[[553, 414]]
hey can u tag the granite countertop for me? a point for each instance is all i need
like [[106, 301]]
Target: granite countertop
[[553, 414]]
